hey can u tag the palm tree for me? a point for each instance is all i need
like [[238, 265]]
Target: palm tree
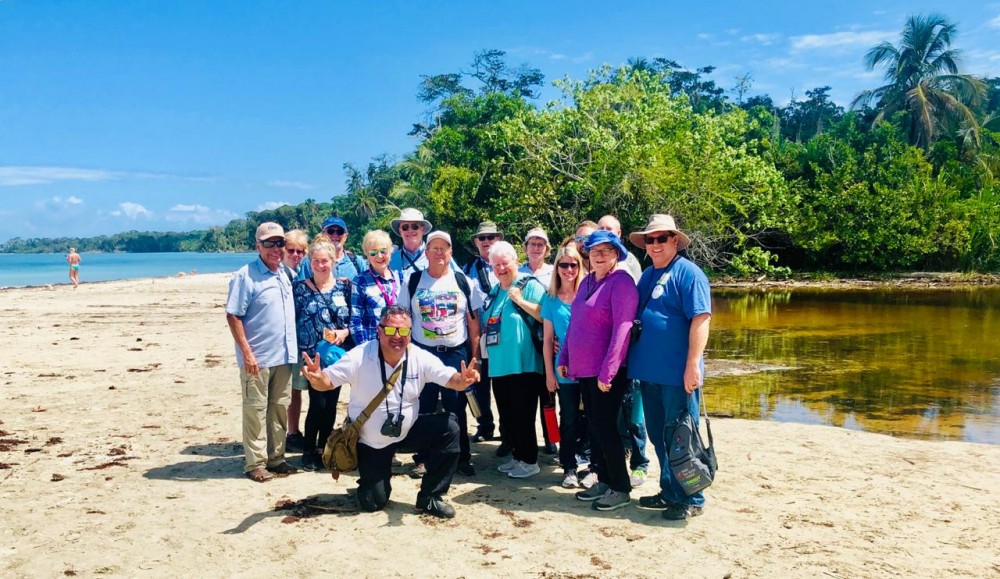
[[922, 78]]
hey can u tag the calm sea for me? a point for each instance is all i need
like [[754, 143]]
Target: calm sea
[[18, 270]]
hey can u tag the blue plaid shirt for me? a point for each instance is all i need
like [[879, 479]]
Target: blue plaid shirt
[[368, 301]]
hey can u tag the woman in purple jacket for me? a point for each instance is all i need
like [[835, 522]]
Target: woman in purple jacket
[[594, 354]]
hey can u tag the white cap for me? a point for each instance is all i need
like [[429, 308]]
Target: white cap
[[439, 235], [537, 232]]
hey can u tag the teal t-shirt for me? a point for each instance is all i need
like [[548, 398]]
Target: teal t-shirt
[[515, 353], [557, 312]]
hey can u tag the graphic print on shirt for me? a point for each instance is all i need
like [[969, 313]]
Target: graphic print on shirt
[[438, 313]]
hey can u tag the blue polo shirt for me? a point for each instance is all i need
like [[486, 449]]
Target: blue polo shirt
[[262, 300]]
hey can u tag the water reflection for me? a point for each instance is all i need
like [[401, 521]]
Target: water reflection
[[920, 363]]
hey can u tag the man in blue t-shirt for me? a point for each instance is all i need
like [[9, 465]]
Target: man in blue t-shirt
[[675, 308]]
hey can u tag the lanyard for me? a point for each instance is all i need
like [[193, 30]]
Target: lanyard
[[390, 298], [402, 379]]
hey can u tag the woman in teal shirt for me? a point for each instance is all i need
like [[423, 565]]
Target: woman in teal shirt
[[556, 306], [510, 314]]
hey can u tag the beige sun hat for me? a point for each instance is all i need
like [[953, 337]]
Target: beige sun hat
[[410, 214], [487, 228], [659, 222]]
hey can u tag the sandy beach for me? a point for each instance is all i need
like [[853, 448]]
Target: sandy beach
[[120, 455]]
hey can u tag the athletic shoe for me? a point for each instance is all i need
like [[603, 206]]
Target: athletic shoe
[[655, 503], [637, 477], [310, 461], [681, 512], [418, 470], [435, 506], [524, 470], [593, 493], [295, 442], [508, 466], [570, 481], [612, 500], [589, 481], [466, 469]]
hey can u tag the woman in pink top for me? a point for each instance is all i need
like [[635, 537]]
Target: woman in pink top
[[594, 354]]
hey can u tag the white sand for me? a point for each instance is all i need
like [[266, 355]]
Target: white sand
[[128, 392]]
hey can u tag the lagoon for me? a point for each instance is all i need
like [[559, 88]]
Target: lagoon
[[914, 363], [32, 269]]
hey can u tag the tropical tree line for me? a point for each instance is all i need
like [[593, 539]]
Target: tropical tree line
[[904, 178]]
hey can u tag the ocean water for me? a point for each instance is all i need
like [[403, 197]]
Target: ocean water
[[19, 270]]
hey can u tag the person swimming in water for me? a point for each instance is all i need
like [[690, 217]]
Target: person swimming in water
[[74, 266]]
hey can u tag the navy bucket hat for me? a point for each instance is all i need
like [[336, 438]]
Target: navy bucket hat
[[601, 236]]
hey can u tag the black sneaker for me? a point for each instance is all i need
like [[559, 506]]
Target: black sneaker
[[504, 450], [681, 512], [466, 469], [655, 503], [436, 507], [481, 436], [295, 442], [310, 462], [418, 470], [550, 448]]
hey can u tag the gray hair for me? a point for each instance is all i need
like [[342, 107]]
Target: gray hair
[[395, 311], [502, 249]]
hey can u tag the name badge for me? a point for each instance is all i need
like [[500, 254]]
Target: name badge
[[493, 331], [339, 301]]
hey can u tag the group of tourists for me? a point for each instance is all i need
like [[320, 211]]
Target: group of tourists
[[620, 349]]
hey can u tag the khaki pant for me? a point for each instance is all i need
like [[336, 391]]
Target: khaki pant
[[265, 415]]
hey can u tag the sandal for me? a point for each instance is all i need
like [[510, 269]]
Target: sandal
[[283, 468], [260, 475]]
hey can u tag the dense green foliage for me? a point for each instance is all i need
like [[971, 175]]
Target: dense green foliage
[[908, 180]]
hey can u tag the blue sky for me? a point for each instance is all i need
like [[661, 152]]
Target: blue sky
[[171, 115]]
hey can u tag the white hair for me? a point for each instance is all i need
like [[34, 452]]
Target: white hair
[[502, 249]]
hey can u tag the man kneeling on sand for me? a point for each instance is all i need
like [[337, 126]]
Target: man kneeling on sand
[[395, 426]]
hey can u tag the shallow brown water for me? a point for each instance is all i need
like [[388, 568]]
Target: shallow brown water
[[916, 363]]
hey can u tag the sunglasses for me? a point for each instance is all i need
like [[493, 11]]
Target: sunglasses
[[374, 252], [569, 265], [658, 239], [393, 330], [296, 251], [580, 238], [489, 237], [268, 244], [411, 227], [332, 230]]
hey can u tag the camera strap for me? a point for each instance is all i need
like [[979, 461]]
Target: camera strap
[[388, 383], [645, 302], [386, 387]]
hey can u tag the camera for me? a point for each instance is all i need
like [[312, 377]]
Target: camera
[[393, 426], [636, 330]]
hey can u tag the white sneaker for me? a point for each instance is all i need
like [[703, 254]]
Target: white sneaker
[[509, 465], [589, 480], [524, 470], [637, 477], [570, 481]]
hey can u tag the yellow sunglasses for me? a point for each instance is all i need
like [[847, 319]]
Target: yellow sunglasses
[[393, 330]]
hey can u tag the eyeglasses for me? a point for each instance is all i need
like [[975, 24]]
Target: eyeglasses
[[374, 252], [411, 226], [334, 230], [393, 330], [569, 265], [580, 238], [296, 251], [537, 245], [603, 252], [487, 237], [270, 243], [658, 239]]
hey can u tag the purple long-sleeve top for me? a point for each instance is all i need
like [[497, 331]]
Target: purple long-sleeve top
[[599, 326]]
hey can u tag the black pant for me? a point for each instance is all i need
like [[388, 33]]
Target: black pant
[[517, 400], [435, 436], [451, 400], [607, 448], [482, 390], [319, 421]]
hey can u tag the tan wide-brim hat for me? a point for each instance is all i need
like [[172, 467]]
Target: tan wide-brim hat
[[659, 222], [410, 214], [487, 228]]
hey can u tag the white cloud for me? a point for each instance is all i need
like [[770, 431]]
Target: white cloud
[[704, 36], [841, 39], [268, 205], [291, 184], [12, 176], [765, 39], [57, 203], [74, 200], [995, 23], [131, 210], [199, 214]]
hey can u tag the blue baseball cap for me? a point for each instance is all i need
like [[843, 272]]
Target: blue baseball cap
[[602, 236], [334, 220]]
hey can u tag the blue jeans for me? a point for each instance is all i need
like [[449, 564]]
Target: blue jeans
[[633, 433], [663, 405]]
